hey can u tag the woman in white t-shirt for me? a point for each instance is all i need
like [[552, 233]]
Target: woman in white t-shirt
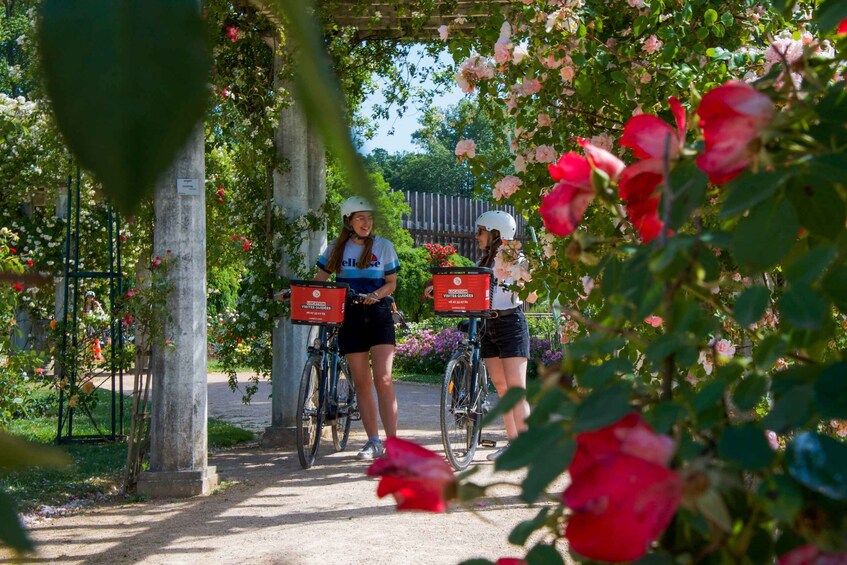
[[505, 339], [368, 264]]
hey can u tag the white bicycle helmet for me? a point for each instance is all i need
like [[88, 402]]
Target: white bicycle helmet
[[498, 220], [355, 204]]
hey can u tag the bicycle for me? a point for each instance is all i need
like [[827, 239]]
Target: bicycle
[[464, 403], [327, 392], [461, 292]]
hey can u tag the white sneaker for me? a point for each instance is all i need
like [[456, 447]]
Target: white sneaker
[[495, 454], [373, 449]]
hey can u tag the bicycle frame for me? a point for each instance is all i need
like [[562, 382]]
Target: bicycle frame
[[330, 360]]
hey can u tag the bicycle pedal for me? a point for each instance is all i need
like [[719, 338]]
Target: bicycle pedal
[[488, 443]]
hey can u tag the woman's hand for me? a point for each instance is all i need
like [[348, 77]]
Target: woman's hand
[[429, 292], [371, 298], [283, 295]]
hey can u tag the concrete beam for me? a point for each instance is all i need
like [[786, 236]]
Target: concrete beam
[[178, 421]]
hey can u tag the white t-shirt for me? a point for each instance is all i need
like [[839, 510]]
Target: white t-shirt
[[384, 261]]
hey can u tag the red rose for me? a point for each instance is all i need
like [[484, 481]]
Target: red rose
[[232, 33], [811, 555], [18, 287], [620, 483], [842, 27], [12, 250], [652, 140], [733, 117], [511, 561], [419, 479]]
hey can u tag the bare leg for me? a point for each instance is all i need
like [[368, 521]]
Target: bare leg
[[515, 370], [382, 357], [497, 373], [360, 366]]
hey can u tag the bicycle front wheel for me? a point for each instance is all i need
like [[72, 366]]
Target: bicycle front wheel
[[459, 421], [309, 413], [345, 402]]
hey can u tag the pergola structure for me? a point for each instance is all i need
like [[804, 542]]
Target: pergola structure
[[178, 434]]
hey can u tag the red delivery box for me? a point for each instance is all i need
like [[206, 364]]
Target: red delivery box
[[318, 303], [462, 291]]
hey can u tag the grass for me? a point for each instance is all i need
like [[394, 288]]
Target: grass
[[97, 468], [425, 378]]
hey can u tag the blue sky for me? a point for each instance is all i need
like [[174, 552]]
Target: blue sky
[[404, 126]]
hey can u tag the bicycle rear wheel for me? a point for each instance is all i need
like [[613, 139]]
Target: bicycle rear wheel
[[459, 422], [309, 413], [345, 402]]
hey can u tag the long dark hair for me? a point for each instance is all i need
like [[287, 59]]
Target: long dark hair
[[337, 254], [494, 243]]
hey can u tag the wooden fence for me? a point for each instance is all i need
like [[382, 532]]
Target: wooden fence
[[437, 218]]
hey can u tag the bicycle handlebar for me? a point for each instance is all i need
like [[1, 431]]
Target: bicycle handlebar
[[357, 297]]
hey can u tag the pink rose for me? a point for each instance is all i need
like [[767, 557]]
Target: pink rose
[[466, 148], [443, 32], [811, 555], [725, 349], [652, 44], [545, 154], [506, 187], [654, 321]]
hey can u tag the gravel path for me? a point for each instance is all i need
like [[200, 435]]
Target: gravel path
[[272, 511]]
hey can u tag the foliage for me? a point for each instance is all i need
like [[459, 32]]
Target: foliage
[[701, 276]]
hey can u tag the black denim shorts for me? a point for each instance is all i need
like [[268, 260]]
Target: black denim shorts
[[506, 336], [366, 326]]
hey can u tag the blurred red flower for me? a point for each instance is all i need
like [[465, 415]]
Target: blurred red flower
[[620, 486], [842, 27], [733, 117], [18, 287], [29, 263], [653, 141], [811, 555], [419, 479], [562, 209], [232, 33]]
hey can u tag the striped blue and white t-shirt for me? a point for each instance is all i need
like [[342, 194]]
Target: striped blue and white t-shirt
[[383, 262]]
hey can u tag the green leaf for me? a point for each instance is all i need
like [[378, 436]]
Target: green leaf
[[713, 507], [702, 33], [819, 207], [808, 267], [819, 463], [689, 185], [524, 529], [709, 396], [543, 554], [751, 305], [663, 416], [602, 408], [748, 190], [803, 308], [318, 90], [769, 350], [830, 14], [764, 237], [835, 287], [831, 392], [506, 403], [542, 473], [782, 497], [529, 446], [710, 17], [750, 391], [791, 411], [16, 453], [128, 83], [746, 446], [12, 532], [596, 376]]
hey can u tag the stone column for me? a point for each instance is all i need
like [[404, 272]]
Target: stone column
[[299, 186], [178, 458]]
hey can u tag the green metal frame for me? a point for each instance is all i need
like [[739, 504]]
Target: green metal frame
[[67, 366]]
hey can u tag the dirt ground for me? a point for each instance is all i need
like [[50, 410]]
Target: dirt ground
[[272, 511]]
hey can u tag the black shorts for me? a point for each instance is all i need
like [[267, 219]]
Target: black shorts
[[506, 336], [366, 326]]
